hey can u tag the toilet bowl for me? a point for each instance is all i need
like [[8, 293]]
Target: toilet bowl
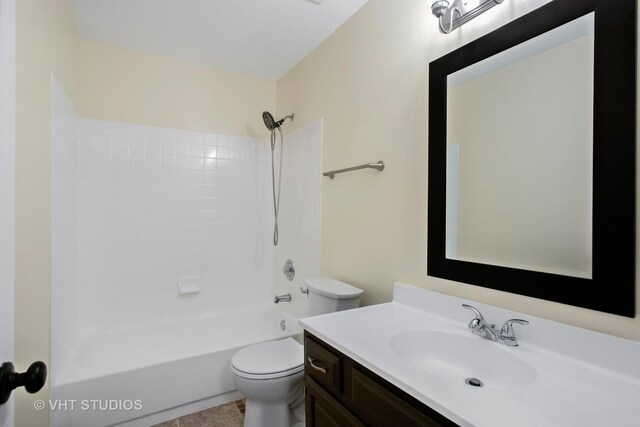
[[271, 374]]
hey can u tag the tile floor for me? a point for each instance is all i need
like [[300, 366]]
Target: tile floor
[[227, 415]]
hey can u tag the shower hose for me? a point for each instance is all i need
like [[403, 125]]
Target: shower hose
[[276, 197]]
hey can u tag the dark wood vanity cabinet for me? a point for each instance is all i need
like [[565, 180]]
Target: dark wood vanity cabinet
[[340, 392]]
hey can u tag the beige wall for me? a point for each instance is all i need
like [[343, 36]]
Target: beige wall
[[44, 45], [369, 82], [122, 85]]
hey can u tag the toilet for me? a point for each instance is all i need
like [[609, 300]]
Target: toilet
[[271, 374]]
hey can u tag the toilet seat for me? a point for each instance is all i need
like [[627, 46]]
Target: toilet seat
[[269, 360]]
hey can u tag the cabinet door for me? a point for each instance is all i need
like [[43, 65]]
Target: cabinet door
[[324, 411], [380, 407]]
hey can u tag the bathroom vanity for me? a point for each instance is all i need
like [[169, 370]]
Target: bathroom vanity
[[415, 361]]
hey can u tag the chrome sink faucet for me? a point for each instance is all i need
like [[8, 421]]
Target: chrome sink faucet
[[504, 336]]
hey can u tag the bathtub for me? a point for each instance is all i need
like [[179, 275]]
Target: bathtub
[[141, 376]]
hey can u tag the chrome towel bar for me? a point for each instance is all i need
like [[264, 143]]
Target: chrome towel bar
[[378, 166]]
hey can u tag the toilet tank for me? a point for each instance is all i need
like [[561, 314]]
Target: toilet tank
[[327, 295]]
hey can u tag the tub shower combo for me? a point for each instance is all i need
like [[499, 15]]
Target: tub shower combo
[[164, 265]]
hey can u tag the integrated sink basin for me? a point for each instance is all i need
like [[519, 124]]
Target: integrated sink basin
[[458, 357]]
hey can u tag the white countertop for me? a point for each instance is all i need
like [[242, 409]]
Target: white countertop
[[583, 378]]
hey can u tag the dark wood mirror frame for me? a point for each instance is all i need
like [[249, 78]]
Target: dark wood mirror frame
[[612, 287]]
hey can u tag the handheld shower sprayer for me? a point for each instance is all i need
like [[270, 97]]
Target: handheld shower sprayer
[[272, 125]]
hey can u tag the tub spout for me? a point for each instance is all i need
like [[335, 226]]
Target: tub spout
[[280, 298]]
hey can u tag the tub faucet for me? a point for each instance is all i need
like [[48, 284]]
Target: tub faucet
[[505, 335], [280, 298]]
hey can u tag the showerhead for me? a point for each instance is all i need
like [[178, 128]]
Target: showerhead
[[271, 123]]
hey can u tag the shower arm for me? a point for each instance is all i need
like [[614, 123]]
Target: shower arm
[[290, 116], [281, 121]]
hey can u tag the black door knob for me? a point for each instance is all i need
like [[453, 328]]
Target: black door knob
[[32, 380]]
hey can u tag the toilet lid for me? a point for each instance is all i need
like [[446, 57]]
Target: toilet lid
[[271, 359], [333, 288]]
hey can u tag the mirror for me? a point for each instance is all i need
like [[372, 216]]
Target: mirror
[[532, 157], [519, 145]]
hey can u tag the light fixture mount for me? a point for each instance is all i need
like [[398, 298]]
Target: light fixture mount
[[453, 13]]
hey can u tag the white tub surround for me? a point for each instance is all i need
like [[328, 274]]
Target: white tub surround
[[162, 366], [164, 223], [569, 376], [154, 223]]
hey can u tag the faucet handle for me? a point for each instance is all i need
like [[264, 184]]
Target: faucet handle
[[476, 320], [507, 329]]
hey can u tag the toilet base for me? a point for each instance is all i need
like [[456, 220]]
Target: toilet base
[[270, 402], [297, 411], [262, 414], [258, 414]]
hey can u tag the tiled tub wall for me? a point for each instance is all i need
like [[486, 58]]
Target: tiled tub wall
[[135, 208], [155, 205]]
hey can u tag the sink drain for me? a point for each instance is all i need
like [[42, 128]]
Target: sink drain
[[474, 382]]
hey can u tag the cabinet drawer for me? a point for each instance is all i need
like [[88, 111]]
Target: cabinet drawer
[[380, 407], [323, 365]]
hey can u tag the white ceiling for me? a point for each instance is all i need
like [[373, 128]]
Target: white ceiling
[[257, 37]]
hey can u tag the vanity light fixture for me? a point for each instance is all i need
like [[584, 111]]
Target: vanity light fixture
[[453, 13]]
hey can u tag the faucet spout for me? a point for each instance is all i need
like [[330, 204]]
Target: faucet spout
[[488, 331], [281, 298]]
